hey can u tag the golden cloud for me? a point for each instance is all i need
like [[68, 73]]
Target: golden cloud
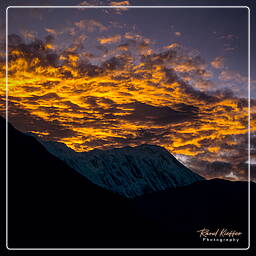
[[51, 31], [121, 101], [110, 40], [120, 3]]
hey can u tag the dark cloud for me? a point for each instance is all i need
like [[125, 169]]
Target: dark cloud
[[26, 122], [47, 96], [115, 63], [158, 115], [218, 168], [186, 108], [72, 107], [89, 70], [14, 40]]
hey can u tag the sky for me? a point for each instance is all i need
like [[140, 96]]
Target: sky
[[104, 78]]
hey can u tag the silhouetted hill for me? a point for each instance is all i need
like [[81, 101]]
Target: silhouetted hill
[[209, 204], [52, 205]]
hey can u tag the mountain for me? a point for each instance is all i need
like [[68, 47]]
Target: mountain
[[50, 205], [210, 204], [128, 171]]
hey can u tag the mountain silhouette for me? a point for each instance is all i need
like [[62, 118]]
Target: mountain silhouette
[[128, 171], [51, 205]]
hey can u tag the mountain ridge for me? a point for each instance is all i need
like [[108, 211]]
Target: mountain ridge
[[128, 171], [51, 205]]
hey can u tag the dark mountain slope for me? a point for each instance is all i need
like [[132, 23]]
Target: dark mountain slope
[[51, 205], [209, 204], [128, 171]]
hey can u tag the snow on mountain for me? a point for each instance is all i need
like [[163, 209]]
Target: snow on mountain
[[128, 171]]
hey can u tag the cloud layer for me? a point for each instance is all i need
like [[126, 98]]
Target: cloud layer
[[126, 93]]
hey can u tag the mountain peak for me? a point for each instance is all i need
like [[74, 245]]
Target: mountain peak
[[128, 171]]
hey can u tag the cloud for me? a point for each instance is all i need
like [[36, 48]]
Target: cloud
[[33, 123], [172, 46], [110, 40], [158, 115], [52, 31], [90, 25], [14, 39], [119, 3], [232, 176], [108, 2], [29, 34], [228, 37], [177, 33], [204, 85], [90, 3], [233, 76], [136, 38], [218, 62], [165, 98], [229, 48], [228, 41], [118, 11], [123, 47]]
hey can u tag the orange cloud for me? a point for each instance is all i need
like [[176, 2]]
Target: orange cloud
[[173, 45], [110, 40], [52, 31], [218, 62], [123, 101], [177, 33], [121, 3], [118, 11]]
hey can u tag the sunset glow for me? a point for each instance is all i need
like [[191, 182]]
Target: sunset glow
[[125, 91]]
